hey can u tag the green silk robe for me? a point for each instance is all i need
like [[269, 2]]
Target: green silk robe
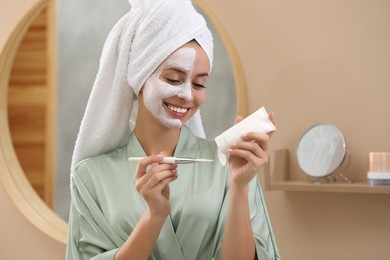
[[106, 207]]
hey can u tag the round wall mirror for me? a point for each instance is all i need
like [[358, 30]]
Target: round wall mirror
[[321, 150]]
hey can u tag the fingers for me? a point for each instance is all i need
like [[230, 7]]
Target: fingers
[[271, 117], [254, 162], [261, 139], [165, 171], [144, 163], [162, 184], [161, 154], [253, 148], [238, 119], [154, 175], [147, 191]]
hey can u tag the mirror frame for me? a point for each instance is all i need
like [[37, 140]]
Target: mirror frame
[[242, 103], [12, 177]]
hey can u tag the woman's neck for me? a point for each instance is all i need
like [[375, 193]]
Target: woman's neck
[[157, 138]]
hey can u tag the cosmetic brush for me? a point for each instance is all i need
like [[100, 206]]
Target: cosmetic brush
[[174, 160]]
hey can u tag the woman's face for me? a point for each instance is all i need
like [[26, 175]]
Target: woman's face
[[176, 90]]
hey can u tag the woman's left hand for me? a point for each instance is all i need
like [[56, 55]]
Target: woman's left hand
[[248, 156]]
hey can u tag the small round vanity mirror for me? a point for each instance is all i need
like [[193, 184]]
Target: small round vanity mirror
[[321, 150]]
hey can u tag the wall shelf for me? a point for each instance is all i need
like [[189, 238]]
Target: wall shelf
[[277, 178]]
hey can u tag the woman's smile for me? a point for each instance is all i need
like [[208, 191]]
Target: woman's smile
[[176, 111]]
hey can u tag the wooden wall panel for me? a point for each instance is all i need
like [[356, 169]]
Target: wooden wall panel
[[29, 105]]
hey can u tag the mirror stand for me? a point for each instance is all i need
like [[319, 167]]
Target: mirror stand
[[338, 176]]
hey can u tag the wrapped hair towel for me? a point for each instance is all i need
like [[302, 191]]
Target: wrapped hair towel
[[136, 46]]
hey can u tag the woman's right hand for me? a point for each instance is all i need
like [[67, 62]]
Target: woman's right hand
[[153, 183]]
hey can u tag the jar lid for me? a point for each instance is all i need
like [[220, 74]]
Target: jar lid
[[378, 175]]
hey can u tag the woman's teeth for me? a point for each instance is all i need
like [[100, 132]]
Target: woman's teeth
[[178, 109]]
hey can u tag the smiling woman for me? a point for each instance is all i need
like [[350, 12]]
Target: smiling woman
[[82, 33], [13, 162]]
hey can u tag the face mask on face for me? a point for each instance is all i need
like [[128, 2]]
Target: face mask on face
[[156, 90]]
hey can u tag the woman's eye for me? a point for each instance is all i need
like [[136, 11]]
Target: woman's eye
[[198, 86], [173, 81]]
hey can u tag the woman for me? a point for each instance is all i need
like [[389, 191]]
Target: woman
[[162, 52]]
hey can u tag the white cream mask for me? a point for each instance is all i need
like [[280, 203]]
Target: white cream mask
[[156, 90]]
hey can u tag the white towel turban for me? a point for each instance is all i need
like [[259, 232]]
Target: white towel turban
[[136, 46]]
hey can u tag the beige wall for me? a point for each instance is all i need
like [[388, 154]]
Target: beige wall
[[309, 62], [21, 240]]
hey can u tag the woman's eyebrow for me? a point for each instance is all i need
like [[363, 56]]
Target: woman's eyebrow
[[179, 70], [184, 71], [204, 74]]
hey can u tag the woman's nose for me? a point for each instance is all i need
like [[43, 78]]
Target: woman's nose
[[185, 92]]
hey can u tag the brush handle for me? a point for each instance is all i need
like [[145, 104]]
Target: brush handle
[[173, 160]]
